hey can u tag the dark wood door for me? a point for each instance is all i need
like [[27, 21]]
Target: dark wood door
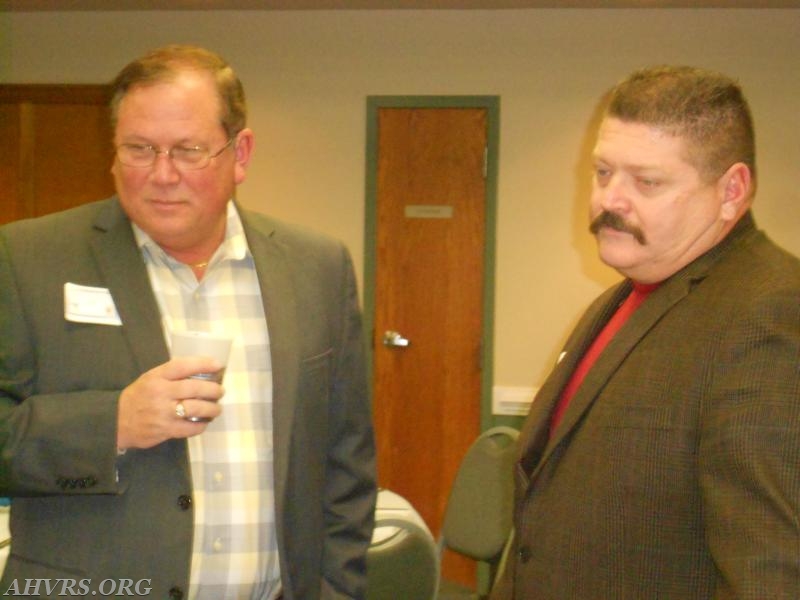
[[428, 288], [56, 148]]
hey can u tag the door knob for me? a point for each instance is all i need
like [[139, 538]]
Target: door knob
[[394, 339]]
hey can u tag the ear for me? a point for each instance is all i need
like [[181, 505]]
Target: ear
[[243, 147], [735, 190]]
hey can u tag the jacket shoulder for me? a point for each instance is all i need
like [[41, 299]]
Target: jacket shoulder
[[289, 235], [84, 215]]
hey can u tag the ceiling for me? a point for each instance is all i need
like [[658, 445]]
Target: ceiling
[[106, 5]]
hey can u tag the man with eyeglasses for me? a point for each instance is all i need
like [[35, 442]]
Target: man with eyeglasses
[[121, 466]]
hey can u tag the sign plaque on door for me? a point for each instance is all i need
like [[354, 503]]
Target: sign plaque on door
[[428, 211]]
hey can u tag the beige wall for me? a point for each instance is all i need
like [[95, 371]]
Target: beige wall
[[307, 74]]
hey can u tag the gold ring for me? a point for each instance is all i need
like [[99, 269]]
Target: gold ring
[[180, 410]]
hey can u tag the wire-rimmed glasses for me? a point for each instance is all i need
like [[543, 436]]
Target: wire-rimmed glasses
[[184, 158]]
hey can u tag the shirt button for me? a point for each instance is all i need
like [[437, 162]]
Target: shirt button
[[524, 554], [184, 502], [218, 477], [217, 545]]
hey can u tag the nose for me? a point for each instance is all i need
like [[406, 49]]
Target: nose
[[611, 194], [163, 169]]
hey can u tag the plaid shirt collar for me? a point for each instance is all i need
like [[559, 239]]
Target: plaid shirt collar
[[233, 247]]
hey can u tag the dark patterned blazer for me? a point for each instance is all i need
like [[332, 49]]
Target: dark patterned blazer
[[80, 511], [675, 473]]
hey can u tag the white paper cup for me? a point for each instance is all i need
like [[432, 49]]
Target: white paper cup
[[202, 343]]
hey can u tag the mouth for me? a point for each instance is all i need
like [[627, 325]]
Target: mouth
[[164, 203], [609, 220]]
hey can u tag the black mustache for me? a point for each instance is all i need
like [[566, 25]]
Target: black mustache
[[614, 221]]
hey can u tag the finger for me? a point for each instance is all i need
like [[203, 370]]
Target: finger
[[197, 411], [146, 407], [184, 428], [185, 366], [198, 389]]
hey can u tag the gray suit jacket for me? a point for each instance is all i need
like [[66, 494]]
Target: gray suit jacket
[[81, 512], [675, 473]]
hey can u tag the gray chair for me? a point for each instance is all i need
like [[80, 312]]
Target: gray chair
[[479, 513], [402, 560]]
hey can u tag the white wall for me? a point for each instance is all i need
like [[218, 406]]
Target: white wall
[[307, 74]]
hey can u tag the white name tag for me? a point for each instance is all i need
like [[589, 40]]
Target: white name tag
[[84, 304]]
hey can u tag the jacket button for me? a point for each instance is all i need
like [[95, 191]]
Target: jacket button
[[175, 593], [524, 554], [185, 502]]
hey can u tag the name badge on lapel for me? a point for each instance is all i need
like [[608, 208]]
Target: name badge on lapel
[[85, 304]]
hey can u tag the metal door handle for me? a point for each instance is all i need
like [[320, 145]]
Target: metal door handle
[[394, 340]]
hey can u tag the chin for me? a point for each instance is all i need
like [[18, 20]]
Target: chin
[[617, 258]]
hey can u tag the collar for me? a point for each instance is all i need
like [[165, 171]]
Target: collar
[[233, 247], [742, 233], [697, 270]]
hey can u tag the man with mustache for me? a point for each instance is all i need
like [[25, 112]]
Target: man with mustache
[[660, 458]]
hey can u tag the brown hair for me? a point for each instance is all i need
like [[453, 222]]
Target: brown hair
[[706, 108], [164, 64]]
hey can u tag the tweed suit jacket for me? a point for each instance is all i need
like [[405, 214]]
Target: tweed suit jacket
[[79, 510], [675, 473]]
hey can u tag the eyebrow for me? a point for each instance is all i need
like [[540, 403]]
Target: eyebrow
[[627, 166], [143, 140]]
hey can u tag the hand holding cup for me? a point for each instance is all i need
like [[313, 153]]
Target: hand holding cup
[[201, 343]]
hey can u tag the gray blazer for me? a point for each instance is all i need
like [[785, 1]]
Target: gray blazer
[[80, 511], [675, 473]]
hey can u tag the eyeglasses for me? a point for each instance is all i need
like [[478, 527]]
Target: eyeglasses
[[184, 158]]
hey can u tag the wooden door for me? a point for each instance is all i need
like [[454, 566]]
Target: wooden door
[[56, 144], [430, 235]]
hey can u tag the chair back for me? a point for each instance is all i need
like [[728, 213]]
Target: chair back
[[479, 513], [402, 560]]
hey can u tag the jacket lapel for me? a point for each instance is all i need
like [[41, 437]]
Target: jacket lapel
[[624, 342], [535, 438], [275, 282], [536, 445], [661, 301], [125, 274]]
